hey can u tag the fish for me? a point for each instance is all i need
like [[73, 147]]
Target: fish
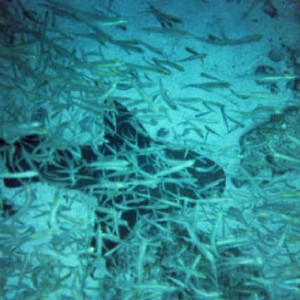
[[165, 20], [225, 41], [208, 86], [128, 160]]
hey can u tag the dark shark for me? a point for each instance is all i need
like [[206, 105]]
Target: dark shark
[[124, 137]]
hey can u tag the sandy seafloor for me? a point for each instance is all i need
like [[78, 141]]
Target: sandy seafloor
[[209, 134]]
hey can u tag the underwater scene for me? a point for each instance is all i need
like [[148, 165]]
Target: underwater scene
[[150, 150]]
